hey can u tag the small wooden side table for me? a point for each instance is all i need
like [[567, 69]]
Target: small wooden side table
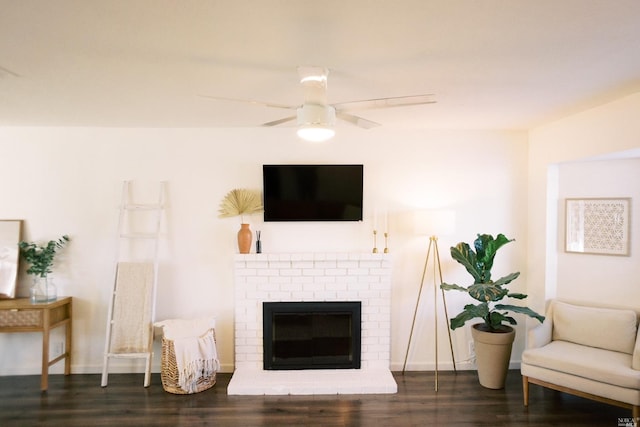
[[20, 315]]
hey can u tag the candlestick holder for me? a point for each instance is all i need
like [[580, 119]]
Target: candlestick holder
[[386, 246], [375, 245]]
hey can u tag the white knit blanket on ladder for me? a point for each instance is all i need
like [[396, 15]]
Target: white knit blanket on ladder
[[195, 349]]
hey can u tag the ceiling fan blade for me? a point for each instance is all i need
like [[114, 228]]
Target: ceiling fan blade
[[355, 120], [279, 121], [251, 101], [5, 72], [398, 101]]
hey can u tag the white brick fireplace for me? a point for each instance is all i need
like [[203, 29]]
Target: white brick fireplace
[[313, 277]]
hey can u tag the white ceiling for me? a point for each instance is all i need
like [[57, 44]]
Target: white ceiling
[[492, 64]]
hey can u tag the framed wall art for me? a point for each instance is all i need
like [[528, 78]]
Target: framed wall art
[[597, 226]]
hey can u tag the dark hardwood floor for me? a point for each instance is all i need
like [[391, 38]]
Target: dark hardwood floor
[[78, 400]]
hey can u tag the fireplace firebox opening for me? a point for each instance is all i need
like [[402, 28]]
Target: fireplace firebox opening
[[311, 335]]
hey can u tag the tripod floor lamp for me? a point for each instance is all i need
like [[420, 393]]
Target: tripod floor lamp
[[442, 222]]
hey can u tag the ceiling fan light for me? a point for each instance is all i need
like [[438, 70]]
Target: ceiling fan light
[[316, 122], [316, 133]]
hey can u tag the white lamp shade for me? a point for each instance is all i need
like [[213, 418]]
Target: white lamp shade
[[315, 133], [434, 222], [316, 122]]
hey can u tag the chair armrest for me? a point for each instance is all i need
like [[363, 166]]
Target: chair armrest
[[635, 361], [541, 334]]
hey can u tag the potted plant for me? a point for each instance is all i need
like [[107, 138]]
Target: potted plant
[[41, 260], [495, 332], [240, 202]]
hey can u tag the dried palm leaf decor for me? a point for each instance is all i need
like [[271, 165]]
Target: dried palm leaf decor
[[240, 202]]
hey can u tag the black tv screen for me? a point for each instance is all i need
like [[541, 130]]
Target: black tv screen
[[312, 192]]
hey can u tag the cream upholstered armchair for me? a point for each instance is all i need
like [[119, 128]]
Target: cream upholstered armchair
[[590, 352]]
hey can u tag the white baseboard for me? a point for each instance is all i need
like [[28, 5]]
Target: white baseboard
[[443, 366]]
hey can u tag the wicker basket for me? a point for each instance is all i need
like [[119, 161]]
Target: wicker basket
[[169, 370]]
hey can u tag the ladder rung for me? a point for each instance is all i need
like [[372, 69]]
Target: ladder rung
[[139, 235], [142, 207], [130, 355]]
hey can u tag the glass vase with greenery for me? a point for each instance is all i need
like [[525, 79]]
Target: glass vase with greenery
[[40, 258]]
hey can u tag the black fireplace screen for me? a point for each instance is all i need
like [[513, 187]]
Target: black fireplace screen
[[311, 335]]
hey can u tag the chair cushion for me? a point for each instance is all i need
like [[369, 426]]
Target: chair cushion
[[589, 362], [605, 328]]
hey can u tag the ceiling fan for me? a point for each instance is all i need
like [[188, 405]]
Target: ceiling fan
[[316, 117]]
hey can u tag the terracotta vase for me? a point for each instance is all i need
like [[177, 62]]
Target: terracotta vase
[[244, 239]]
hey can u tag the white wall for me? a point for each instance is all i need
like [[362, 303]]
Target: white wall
[[600, 278], [611, 130], [68, 181]]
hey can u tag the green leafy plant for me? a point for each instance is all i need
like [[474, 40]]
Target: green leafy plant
[[485, 290], [41, 257]]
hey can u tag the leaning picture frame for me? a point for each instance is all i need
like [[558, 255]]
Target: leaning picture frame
[[598, 226], [10, 235]]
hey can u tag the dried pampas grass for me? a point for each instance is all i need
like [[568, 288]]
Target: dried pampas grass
[[240, 202]]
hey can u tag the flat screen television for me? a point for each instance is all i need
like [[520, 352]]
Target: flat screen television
[[312, 192]]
